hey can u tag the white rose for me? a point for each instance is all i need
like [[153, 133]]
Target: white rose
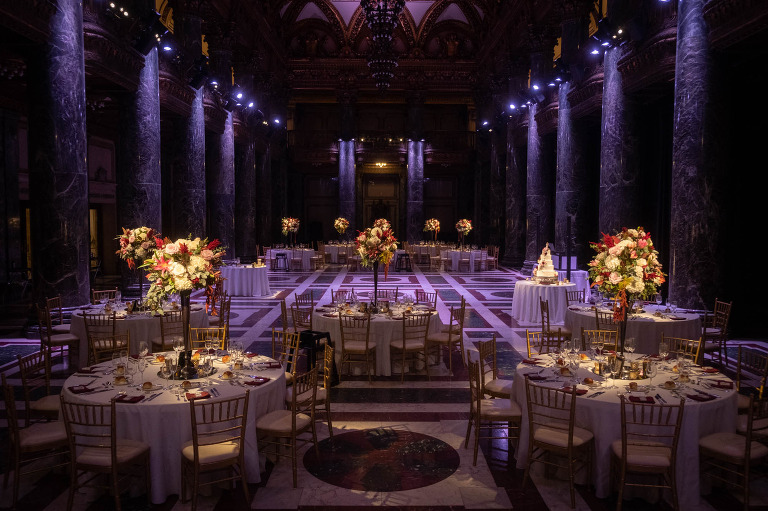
[[131, 238], [171, 248], [374, 240], [639, 271], [182, 284], [632, 232], [376, 232], [601, 256], [612, 262], [207, 254], [636, 285], [641, 262], [614, 278], [616, 249], [177, 269]]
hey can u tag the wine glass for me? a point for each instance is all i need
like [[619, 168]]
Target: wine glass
[[142, 366], [614, 366], [672, 306], [630, 345], [651, 370], [143, 349], [663, 350], [130, 369], [165, 371], [178, 346], [658, 299]]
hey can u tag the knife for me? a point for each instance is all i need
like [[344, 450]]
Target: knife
[[597, 393], [661, 399]]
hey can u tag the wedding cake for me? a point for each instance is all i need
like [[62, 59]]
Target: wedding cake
[[545, 272]]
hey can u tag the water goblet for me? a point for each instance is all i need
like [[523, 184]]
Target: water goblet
[[614, 366], [659, 298], [672, 306], [142, 366], [143, 348], [630, 345], [165, 372], [651, 370], [178, 346]]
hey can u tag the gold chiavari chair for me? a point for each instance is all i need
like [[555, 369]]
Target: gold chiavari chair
[[346, 295], [56, 313], [199, 336], [49, 340], [609, 338], [103, 348], [356, 348], [560, 332], [285, 349], [451, 337], [577, 296], [715, 331], [412, 347], [423, 297], [491, 384], [171, 330], [686, 348], [97, 295], [540, 344], [751, 373], [35, 374]]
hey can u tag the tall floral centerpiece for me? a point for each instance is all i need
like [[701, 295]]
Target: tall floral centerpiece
[[341, 225], [463, 226], [180, 267], [432, 225], [376, 245], [290, 226], [627, 267], [138, 244]]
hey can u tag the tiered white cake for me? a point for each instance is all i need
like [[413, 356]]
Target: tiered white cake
[[545, 272]]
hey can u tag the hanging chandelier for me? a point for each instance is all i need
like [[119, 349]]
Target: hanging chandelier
[[381, 17]]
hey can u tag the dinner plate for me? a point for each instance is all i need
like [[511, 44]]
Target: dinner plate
[[640, 388], [153, 389], [665, 387], [592, 385]]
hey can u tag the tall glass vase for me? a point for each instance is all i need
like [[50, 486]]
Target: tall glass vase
[[375, 299], [188, 371]]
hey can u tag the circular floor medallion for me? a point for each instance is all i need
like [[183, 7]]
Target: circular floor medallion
[[382, 459]]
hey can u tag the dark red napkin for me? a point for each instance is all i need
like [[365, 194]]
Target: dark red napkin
[[536, 377], [700, 397], [532, 361], [201, 395], [273, 365], [644, 399], [579, 391], [711, 370], [125, 398], [79, 389], [722, 384], [256, 381], [251, 355]]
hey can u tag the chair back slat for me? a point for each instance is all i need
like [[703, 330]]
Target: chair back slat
[[687, 348], [354, 329], [199, 336], [285, 349], [609, 338], [216, 422], [751, 369], [487, 360], [302, 317]]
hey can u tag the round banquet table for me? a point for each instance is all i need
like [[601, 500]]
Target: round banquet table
[[525, 302], [164, 422], [602, 416], [143, 326], [578, 277], [383, 330], [246, 280], [305, 254], [333, 251], [646, 328], [455, 255]]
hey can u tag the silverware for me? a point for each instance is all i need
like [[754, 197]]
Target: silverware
[[153, 396], [87, 375], [97, 391], [597, 393], [661, 399]]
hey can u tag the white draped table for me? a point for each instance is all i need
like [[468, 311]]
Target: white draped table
[[525, 302], [164, 423], [143, 326], [646, 328], [601, 416], [333, 251], [246, 280], [305, 254], [455, 255], [578, 277]]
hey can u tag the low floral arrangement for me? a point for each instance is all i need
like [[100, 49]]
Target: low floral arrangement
[[464, 226], [182, 265], [433, 224], [290, 224], [341, 224], [136, 243], [626, 263], [376, 244]]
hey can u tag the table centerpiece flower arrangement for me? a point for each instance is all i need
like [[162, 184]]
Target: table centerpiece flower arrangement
[[341, 225], [376, 245], [432, 225], [463, 226], [627, 267], [136, 244], [180, 267], [290, 226]]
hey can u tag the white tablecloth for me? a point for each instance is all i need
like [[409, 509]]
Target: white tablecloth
[[246, 281], [383, 331], [164, 423], [645, 328], [601, 416], [143, 327], [304, 253], [455, 255], [525, 302], [578, 277], [333, 251]]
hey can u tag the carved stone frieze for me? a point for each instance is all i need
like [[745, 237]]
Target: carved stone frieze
[[731, 21], [651, 63], [546, 117], [110, 58], [175, 94], [29, 18], [215, 116], [587, 98]]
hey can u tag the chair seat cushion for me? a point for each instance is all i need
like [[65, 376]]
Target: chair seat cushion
[[565, 332], [500, 409], [60, 329], [64, 339], [444, 337], [278, 423], [732, 445], [214, 320], [357, 346], [212, 452], [498, 386], [742, 402], [158, 341], [303, 397], [646, 454], [47, 404], [43, 435], [559, 437], [126, 450], [103, 344], [410, 344], [288, 378], [713, 331]]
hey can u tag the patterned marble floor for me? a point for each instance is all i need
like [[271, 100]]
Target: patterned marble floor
[[437, 408]]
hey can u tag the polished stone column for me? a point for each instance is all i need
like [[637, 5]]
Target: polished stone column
[[220, 173], [139, 200], [572, 193], [619, 204], [697, 230], [246, 190], [495, 198], [539, 189], [188, 192], [58, 156], [415, 192], [347, 190], [514, 248], [270, 192], [10, 221]]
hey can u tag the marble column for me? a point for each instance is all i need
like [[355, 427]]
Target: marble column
[[619, 204], [538, 189], [246, 212], [10, 222], [415, 192], [347, 189], [572, 193], [58, 155], [220, 164], [497, 174], [139, 201], [697, 230], [514, 249], [188, 201], [266, 203]]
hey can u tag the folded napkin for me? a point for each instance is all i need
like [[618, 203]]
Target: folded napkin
[[532, 361], [273, 365], [536, 377], [644, 399], [710, 370], [197, 395], [256, 381], [125, 398], [79, 389], [701, 397], [722, 384], [87, 370], [579, 391]]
